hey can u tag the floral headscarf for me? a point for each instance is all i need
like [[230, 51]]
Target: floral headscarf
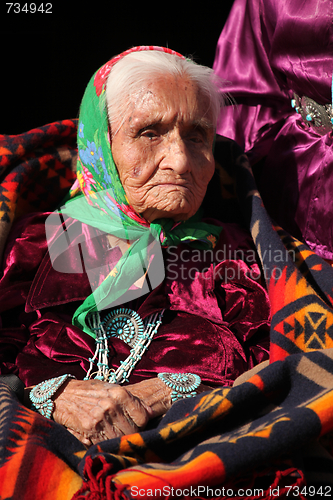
[[98, 199]]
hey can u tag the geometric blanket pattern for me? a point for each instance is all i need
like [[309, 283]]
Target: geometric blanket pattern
[[37, 169]]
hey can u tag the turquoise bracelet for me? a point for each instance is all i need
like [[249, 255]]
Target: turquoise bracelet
[[183, 385], [40, 396]]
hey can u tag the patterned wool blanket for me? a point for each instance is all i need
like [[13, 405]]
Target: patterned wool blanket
[[268, 437]]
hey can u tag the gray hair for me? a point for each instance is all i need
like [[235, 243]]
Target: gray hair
[[134, 70]]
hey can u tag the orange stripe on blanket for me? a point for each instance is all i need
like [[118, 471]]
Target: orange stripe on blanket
[[8, 478], [52, 478], [48, 477], [257, 381], [205, 469]]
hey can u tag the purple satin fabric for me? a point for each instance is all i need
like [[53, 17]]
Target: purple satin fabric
[[216, 322], [269, 49]]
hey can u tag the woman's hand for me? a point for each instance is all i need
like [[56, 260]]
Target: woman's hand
[[95, 411]]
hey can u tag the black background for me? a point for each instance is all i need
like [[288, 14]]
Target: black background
[[47, 59]]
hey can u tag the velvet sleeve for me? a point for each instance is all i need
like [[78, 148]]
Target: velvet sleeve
[[26, 246]]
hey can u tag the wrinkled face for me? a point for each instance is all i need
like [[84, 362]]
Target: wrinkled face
[[163, 150]]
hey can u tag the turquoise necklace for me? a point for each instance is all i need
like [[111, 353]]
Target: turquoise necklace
[[126, 325]]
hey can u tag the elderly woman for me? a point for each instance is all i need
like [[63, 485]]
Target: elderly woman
[[103, 338]]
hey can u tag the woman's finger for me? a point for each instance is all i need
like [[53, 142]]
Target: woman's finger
[[124, 413]]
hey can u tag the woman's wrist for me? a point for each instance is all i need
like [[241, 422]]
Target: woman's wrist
[[154, 394], [182, 385], [42, 395]]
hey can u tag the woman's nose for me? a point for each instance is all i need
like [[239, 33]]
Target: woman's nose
[[177, 156]]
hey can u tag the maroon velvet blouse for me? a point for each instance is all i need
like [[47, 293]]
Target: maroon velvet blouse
[[216, 320]]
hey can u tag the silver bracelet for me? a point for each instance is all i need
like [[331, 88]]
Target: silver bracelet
[[40, 396], [183, 385]]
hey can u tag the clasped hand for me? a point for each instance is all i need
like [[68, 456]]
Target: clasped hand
[[94, 411]]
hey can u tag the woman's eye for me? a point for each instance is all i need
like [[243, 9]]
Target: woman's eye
[[197, 139], [149, 134]]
